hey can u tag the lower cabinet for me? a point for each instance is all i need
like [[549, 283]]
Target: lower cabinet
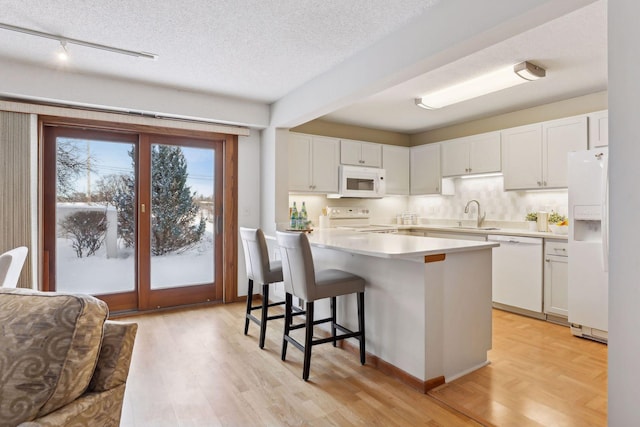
[[556, 282]]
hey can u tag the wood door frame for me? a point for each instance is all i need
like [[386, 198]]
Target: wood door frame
[[228, 291]]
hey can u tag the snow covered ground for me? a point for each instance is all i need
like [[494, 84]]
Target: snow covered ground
[[98, 274]]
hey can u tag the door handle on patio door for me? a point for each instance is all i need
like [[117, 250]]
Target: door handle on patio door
[[218, 224]]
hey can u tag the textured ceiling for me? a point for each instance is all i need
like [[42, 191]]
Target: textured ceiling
[[264, 50], [572, 48], [254, 49]]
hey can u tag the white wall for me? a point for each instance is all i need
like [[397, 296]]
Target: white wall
[[45, 84], [624, 272], [248, 195]]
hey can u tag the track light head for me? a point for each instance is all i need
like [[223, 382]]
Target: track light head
[[63, 54]]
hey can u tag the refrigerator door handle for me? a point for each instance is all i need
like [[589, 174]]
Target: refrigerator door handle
[[605, 211]]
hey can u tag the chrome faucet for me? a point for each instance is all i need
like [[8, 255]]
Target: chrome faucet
[[480, 219]]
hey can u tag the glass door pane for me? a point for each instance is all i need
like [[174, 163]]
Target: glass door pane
[[182, 216], [95, 249]]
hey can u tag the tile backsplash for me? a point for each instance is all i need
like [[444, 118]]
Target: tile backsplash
[[498, 204]]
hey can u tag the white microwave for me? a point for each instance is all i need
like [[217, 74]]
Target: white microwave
[[358, 181]]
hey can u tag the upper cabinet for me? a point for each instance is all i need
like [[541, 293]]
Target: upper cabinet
[[395, 161], [360, 153], [425, 171], [313, 163], [471, 155], [535, 156], [598, 129]]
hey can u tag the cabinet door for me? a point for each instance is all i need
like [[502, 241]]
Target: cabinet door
[[395, 161], [325, 162], [559, 138], [522, 157], [598, 129], [350, 152], [556, 283], [299, 162], [425, 169], [455, 157], [371, 154], [485, 153]]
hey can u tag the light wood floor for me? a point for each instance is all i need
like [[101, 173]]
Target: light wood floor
[[540, 375], [195, 368]]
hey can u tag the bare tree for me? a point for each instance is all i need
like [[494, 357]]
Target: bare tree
[[70, 164]]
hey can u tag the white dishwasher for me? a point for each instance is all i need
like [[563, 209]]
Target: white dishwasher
[[517, 272]]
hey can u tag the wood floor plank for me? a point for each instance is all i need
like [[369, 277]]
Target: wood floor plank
[[195, 367], [540, 375]]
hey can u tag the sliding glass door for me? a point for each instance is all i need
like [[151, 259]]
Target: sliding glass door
[[132, 218]]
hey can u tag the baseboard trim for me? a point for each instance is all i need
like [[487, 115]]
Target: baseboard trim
[[393, 371]]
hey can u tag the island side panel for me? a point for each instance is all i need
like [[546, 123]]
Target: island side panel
[[458, 321], [394, 306]]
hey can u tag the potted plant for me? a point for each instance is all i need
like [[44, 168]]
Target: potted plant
[[531, 218], [558, 224]]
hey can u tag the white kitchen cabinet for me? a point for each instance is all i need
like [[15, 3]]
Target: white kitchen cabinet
[[535, 156], [598, 129], [556, 281], [313, 163], [425, 171], [395, 161], [471, 155], [360, 153]]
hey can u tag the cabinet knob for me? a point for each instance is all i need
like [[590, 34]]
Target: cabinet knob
[[539, 183], [548, 260], [544, 183]]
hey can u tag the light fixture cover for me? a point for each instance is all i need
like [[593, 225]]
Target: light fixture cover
[[482, 85]]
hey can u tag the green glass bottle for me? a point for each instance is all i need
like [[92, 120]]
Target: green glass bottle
[[294, 217], [303, 217]]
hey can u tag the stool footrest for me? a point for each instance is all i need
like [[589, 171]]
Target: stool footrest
[[348, 334], [258, 321], [273, 304]]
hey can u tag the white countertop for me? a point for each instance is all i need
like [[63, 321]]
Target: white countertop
[[471, 230], [390, 245]]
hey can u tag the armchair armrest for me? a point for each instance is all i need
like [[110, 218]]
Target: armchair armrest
[[113, 363]]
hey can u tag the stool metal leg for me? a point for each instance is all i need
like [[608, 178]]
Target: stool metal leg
[[361, 326], [308, 338], [249, 300], [288, 318], [265, 312], [333, 320]]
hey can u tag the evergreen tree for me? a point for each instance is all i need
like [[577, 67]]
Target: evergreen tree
[[173, 208]]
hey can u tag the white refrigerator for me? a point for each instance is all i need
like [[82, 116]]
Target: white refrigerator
[[588, 244]]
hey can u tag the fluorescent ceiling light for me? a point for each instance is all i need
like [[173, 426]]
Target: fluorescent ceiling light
[[487, 83], [65, 40]]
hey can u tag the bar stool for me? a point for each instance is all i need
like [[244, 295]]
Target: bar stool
[[261, 270], [301, 280]]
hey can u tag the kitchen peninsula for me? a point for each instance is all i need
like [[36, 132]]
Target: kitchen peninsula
[[427, 300]]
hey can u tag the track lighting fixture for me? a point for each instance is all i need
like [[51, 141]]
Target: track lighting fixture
[[65, 40]]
